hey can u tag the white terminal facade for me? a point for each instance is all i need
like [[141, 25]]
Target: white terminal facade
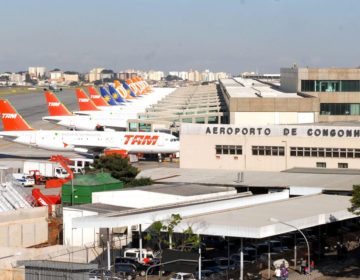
[[271, 126]]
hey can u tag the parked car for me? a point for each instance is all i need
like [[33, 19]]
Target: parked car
[[264, 257], [126, 270], [26, 180], [141, 268], [236, 258], [182, 276], [102, 274], [225, 263], [210, 265], [276, 246]]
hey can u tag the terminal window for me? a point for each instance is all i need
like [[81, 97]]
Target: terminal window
[[228, 150], [343, 165], [330, 85], [340, 109], [324, 152], [268, 150]]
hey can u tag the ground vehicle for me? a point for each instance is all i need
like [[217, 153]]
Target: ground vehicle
[[140, 267], [24, 179], [210, 265], [126, 270], [225, 263], [45, 168], [134, 253], [183, 276], [276, 246], [100, 274]]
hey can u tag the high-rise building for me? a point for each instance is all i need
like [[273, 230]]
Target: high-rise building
[[37, 72], [95, 74]]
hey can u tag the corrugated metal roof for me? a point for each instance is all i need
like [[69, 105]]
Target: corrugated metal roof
[[58, 265]]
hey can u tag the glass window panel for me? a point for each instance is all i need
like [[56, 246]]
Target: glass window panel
[[239, 150], [321, 152], [300, 152], [261, 150], [350, 153], [232, 150], [343, 153], [281, 151], [293, 151], [268, 151], [218, 149], [328, 152], [336, 152], [307, 152], [255, 150], [314, 152], [225, 150]]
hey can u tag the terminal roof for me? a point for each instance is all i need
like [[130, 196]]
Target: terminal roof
[[299, 178], [251, 88]]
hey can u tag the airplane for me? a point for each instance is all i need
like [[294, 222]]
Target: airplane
[[125, 93], [60, 115], [17, 130]]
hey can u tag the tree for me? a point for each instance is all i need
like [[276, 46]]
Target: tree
[[120, 168], [158, 228], [355, 200]]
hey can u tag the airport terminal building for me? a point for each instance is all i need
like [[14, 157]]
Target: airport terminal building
[[269, 148]]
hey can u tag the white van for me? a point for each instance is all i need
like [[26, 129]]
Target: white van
[[134, 253], [25, 180]]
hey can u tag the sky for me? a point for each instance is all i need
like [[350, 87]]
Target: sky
[[172, 35]]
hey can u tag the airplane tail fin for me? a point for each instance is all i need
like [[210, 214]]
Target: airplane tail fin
[[96, 97], [55, 107], [119, 87], [107, 96], [114, 93], [128, 89], [85, 103], [11, 118]]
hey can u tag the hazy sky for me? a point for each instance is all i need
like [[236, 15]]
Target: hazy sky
[[222, 35]]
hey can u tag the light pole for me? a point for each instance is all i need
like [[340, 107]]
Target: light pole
[[299, 230]]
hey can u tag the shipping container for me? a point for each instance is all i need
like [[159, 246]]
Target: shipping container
[[85, 185]]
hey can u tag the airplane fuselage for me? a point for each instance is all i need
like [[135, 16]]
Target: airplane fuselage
[[87, 141]]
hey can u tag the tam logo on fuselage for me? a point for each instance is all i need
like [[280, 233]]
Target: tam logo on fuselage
[[54, 104], [8, 116], [140, 139], [83, 100], [94, 96]]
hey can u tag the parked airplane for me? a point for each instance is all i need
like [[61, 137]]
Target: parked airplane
[[17, 130], [60, 115]]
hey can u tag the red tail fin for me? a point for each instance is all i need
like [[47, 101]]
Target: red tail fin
[[85, 103], [96, 97], [11, 119], [55, 107]]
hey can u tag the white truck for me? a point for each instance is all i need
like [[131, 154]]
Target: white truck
[[45, 168], [24, 179]]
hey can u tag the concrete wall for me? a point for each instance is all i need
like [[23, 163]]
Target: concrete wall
[[264, 118], [289, 79], [283, 104], [24, 227], [77, 236]]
